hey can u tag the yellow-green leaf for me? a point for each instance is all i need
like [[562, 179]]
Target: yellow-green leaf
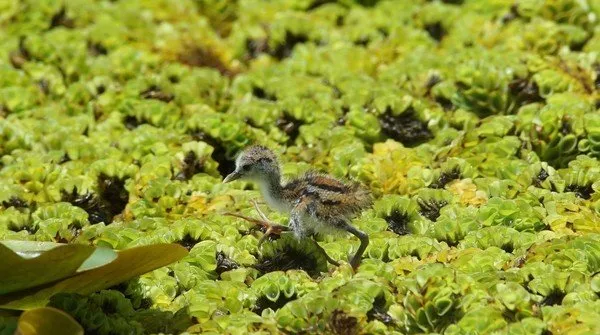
[[47, 321], [26, 264], [128, 264]]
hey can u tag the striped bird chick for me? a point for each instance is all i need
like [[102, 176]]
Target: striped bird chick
[[316, 203]]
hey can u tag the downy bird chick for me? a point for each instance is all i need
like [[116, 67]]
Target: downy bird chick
[[316, 203]]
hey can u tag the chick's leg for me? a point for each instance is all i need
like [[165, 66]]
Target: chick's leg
[[298, 213], [362, 236], [296, 225]]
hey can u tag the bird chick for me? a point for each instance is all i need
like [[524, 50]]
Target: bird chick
[[316, 203]]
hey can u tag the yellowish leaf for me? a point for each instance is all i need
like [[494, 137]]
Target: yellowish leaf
[[128, 264], [26, 264], [47, 321]]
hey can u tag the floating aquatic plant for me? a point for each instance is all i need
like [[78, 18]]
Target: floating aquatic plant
[[474, 125], [288, 253]]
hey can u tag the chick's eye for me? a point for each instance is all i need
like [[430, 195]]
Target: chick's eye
[[245, 167]]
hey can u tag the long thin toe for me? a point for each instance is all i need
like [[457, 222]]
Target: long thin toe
[[278, 229]]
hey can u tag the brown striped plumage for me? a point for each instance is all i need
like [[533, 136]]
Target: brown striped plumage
[[316, 202], [330, 196]]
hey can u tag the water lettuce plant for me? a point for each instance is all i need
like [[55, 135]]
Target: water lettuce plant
[[474, 124]]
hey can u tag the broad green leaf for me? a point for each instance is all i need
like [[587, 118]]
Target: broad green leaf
[[27, 264], [47, 321], [128, 264]]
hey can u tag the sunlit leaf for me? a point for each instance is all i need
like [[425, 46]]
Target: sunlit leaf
[[47, 321], [27, 264], [128, 264]]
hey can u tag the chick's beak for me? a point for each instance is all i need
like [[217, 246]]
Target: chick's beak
[[232, 176]]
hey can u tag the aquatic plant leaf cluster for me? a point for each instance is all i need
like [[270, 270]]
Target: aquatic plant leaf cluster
[[474, 124]]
